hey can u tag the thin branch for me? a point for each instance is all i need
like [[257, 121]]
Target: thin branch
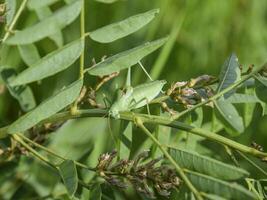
[[150, 119], [30, 149], [220, 94], [165, 121], [180, 171], [253, 163], [15, 19], [82, 26], [53, 153]]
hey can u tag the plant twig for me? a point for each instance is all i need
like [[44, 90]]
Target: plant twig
[[180, 171], [151, 119], [253, 163], [30, 149], [15, 19], [82, 27], [53, 153], [165, 121], [220, 94]]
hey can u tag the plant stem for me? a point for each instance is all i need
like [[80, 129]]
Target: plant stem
[[82, 27], [180, 171], [53, 153], [218, 95], [165, 121], [30, 149], [253, 163], [74, 106], [19, 139], [15, 19], [151, 119]]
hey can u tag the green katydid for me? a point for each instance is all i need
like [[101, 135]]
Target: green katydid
[[136, 97]]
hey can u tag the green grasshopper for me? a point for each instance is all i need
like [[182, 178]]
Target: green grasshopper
[[137, 97]]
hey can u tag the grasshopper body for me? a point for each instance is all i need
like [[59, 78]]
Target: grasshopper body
[[136, 97]]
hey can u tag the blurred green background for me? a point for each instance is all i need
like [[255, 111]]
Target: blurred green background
[[202, 35]]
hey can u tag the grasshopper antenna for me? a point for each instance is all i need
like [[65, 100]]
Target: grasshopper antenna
[[144, 69], [128, 78], [147, 74]]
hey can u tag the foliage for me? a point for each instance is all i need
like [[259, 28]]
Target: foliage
[[57, 121]]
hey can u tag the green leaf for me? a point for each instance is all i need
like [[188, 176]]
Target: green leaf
[[48, 26], [261, 92], [242, 98], [123, 28], [57, 37], [262, 80], [106, 1], [68, 172], [51, 64], [230, 73], [203, 164], [261, 88], [214, 197], [23, 94], [230, 115], [33, 4], [248, 108], [218, 187], [46, 109], [29, 54], [11, 10], [125, 59], [95, 192]]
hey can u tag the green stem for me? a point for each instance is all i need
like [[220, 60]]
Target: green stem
[[52, 152], [165, 121], [218, 95], [74, 106], [151, 119], [30, 149], [180, 171], [19, 139], [15, 19], [253, 163], [82, 26]]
